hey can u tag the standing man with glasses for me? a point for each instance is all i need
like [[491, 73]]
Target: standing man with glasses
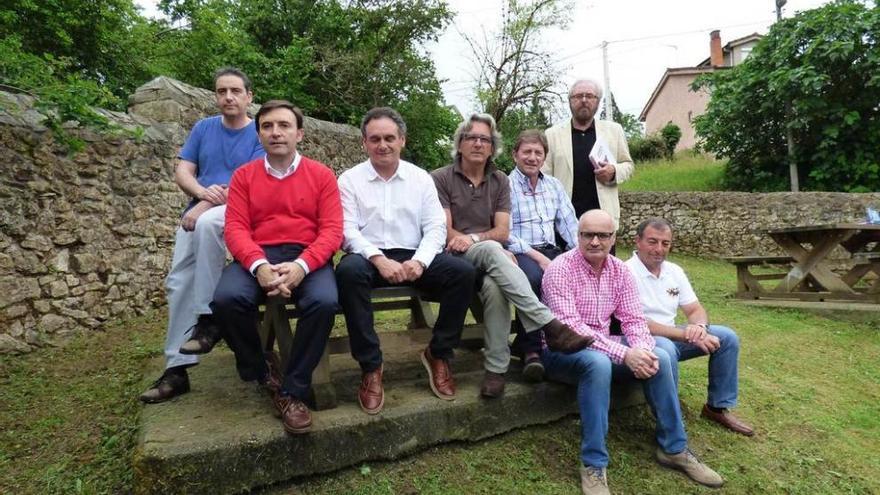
[[570, 145], [539, 209], [476, 199], [584, 287]]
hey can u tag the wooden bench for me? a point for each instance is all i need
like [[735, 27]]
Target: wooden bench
[[278, 312], [868, 261], [748, 284]]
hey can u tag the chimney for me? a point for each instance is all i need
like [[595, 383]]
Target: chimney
[[716, 56]]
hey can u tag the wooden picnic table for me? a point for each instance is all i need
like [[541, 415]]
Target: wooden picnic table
[[811, 277]]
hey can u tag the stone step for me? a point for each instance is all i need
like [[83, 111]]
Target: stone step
[[222, 437]]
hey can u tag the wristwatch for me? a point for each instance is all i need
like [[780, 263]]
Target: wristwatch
[[704, 325], [475, 238]]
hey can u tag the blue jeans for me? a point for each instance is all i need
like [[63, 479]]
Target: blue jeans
[[723, 372], [592, 373]]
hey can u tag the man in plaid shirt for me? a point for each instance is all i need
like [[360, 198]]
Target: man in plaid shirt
[[583, 288], [539, 208]]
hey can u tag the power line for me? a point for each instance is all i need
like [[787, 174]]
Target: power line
[[657, 36]]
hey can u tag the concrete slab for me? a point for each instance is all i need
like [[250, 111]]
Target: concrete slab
[[223, 437]]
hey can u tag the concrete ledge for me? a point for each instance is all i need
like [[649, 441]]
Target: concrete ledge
[[223, 437]]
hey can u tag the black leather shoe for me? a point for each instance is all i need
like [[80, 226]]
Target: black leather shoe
[[205, 335], [171, 384]]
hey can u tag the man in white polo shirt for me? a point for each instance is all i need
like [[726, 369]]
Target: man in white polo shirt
[[663, 288]]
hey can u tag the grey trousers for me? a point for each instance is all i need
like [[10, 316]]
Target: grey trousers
[[196, 265], [504, 284]]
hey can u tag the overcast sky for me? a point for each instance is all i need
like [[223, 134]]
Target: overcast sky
[[645, 37]]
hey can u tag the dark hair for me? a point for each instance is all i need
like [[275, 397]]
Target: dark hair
[[655, 223], [531, 136], [383, 113], [272, 105], [232, 71]]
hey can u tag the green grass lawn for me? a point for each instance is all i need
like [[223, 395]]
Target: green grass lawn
[[809, 383], [688, 172]]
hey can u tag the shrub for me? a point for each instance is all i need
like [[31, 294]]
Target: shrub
[[671, 135], [650, 147]]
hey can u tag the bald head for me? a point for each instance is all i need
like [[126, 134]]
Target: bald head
[[595, 237]]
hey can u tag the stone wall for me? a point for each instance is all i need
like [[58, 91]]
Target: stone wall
[[716, 224], [86, 237]]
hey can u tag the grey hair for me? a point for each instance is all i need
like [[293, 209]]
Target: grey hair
[[386, 113], [466, 127], [655, 223], [599, 90]]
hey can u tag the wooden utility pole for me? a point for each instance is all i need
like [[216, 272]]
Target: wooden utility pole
[[609, 99], [789, 134]]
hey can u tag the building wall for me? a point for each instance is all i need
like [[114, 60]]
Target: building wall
[[678, 104], [86, 238]]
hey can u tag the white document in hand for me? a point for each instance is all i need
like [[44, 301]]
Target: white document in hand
[[601, 153]]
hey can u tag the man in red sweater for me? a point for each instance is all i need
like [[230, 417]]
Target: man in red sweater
[[283, 224]]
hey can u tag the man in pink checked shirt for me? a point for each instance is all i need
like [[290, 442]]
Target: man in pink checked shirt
[[583, 288]]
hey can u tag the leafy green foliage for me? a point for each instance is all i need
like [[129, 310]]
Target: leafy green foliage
[[334, 58], [671, 135], [102, 41], [632, 128], [647, 148], [817, 74], [62, 94], [516, 121]]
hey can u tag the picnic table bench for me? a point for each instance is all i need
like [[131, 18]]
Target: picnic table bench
[[748, 283], [808, 272], [278, 311]]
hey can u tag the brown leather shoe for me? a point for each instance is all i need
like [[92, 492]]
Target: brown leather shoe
[[371, 395], [439, 376], [562, 338], [726, 419], [169, 385], [493, 385], [205, 336], [295, 415]]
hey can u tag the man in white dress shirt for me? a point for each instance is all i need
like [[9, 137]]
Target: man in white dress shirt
[[395, 230]]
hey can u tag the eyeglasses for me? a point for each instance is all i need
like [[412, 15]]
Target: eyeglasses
[[583, 96], [588, 236], [477, 138]]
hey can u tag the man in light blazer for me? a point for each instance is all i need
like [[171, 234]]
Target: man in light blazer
[[570, 145]]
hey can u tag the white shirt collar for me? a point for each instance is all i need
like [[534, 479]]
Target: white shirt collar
[[398, 174], [644, 269], [287, 171]]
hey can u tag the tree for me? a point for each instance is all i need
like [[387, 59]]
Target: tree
[[102, 41], [513, 71], [824, 63], [630, 123], [671, 135], [335, 59]]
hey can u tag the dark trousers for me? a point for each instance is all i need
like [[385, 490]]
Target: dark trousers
[[531, 341], [235, 309], [449, 278]]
